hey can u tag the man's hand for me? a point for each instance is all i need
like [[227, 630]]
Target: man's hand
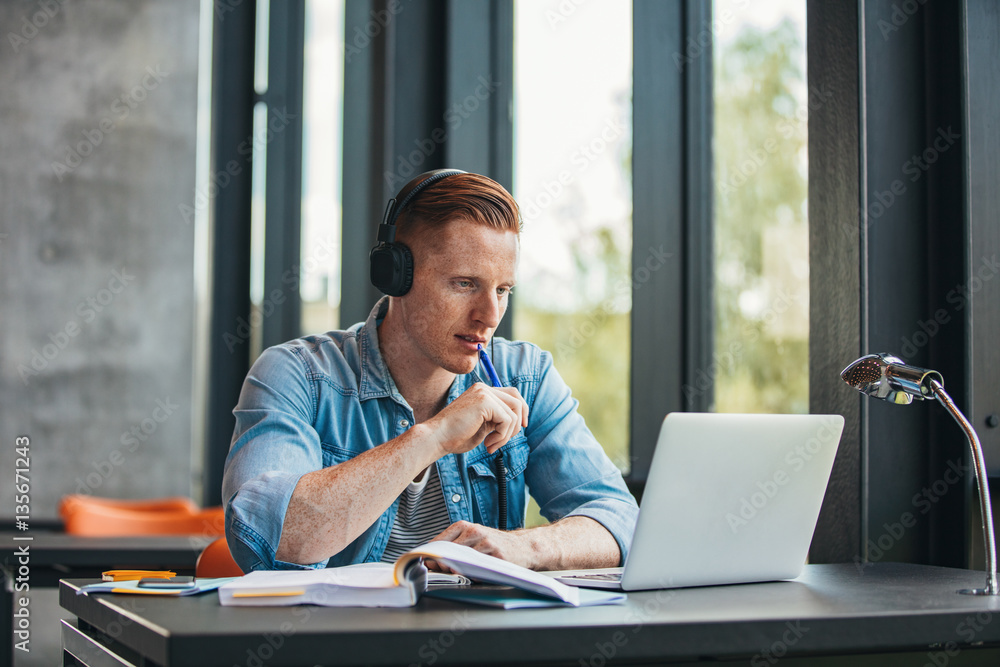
[[574, 542], [514, 546], [491, 415]]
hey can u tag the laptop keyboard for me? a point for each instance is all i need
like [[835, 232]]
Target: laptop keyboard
[[604, 576]]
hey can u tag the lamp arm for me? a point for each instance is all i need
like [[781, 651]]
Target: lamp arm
[[982, 481]]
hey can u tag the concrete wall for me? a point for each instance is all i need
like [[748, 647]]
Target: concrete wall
[[97, 150]]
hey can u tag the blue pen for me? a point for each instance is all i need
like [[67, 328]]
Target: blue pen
[[492, 372], [501, 469]]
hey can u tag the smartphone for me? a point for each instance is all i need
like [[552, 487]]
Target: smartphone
[[172, 582]]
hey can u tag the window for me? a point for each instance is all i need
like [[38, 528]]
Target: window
[[323, 92], [572, 179], [761, 227], [312, 268]]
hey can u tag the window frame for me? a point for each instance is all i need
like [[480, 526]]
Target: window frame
[[672, 195], [401, 80]]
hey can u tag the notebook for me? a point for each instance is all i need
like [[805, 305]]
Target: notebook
[[729, 499], [401, 584]]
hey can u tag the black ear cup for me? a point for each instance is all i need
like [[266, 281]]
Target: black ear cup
[[391, 262], [392, 268]]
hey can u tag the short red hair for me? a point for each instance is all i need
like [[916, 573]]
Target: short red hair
[[459, 196]]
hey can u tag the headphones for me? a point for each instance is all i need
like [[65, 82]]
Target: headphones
[[391, 262]]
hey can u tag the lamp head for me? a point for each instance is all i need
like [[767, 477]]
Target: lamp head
[[890, 379]]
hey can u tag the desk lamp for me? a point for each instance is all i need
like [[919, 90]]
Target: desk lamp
[[890, 379]]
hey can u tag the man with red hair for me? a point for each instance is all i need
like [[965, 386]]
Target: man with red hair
[[358, 445]]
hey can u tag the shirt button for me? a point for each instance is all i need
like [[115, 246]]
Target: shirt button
[[404, 423], [455, 498]]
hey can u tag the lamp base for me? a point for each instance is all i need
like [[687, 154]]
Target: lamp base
[[976, 591]]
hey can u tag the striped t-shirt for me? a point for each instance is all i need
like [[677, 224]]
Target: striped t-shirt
[[422, 514]]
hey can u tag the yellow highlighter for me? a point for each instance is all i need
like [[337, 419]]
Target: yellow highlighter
[[269, 594], [132, 575]]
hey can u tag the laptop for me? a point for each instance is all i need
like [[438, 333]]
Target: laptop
[[729, 499]]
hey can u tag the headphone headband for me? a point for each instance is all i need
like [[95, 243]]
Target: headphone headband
[[412, 189], [391, 262]]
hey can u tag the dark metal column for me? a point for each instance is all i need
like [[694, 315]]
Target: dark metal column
[[983, 90], [896, 225], [232, 126], [887, 244], [982, 279], [699, 201], [363, 148], [282, 306], [836, 251], [671, 212]]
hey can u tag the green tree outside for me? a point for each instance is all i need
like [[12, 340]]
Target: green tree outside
[[761, 257], [761, 228]]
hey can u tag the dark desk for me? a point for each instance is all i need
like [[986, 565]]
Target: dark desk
[[911, 611], [52, 556]]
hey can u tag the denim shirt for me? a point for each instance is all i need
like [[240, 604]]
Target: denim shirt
[[320, 400]]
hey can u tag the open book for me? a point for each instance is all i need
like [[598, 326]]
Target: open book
[[397, 584]]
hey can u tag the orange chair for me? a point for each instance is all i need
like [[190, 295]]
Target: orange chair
[[80, 502], [105, 517], [217, 561]]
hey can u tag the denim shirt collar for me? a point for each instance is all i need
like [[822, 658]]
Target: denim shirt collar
[[375, 379]]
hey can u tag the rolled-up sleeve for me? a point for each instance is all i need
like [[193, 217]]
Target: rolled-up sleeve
[[569, 473], [273, 445]]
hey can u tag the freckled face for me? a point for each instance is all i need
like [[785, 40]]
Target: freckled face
[[463, 274]]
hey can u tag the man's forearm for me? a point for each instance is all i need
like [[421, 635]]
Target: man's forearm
[[575, 542], [329, 508]]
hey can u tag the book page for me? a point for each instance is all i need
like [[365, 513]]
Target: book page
[[481, 567], [352, 576]]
